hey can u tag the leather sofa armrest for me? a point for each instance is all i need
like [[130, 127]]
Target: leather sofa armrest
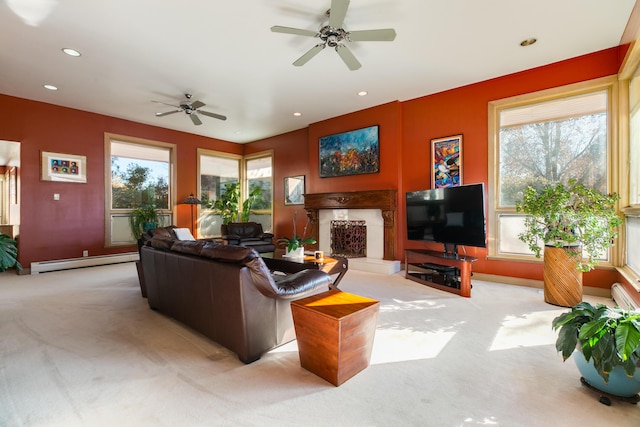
[[302, 284], [265, 236]]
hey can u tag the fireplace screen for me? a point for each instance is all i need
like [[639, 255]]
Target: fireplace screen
[[349, 238]]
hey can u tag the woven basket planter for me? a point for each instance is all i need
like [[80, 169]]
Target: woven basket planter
[[562, 280]]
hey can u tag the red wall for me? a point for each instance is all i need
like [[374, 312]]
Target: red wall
[[55, 230], [290, 154], [63, 229], [406, 129]]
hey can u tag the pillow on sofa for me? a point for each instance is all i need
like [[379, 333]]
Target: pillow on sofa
[[183, 234]]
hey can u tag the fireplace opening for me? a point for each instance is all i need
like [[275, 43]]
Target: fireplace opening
[[348, 238]]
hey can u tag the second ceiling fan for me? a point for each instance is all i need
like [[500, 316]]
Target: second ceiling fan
[[333, 34]]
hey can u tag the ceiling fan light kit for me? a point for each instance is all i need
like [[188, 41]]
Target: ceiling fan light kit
[[334, 35], [191, 109]]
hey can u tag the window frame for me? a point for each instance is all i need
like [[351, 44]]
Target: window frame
[[494, 210], [109, 211]]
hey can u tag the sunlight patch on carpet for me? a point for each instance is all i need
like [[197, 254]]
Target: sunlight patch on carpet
[[400, 345], [527, 330]]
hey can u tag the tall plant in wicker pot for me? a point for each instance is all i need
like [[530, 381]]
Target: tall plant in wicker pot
[[576, 225]]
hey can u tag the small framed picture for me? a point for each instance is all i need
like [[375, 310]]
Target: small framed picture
[[294, 190], [446, 161], [63, 167]]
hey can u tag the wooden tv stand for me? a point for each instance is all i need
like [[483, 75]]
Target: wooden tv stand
[[432, 268]]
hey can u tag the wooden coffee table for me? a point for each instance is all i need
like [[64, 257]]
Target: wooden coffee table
[[331, 266], [335, 332]]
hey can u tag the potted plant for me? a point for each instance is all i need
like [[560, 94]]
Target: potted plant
[[8, 253], [247, 205], [568, 219], [142, 219], [608, 344], [228, 203], [295, 244]]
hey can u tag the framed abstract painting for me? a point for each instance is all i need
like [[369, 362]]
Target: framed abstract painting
[[63, 167], [446, 161], [350, 153]]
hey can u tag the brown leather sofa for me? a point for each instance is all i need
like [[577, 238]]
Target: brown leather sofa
[[224, 292], [248, 234]]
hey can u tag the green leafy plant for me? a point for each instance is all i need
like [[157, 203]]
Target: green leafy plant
[[296, 241], [8, 253], [570, 216], [142, 219], [229, 203], [609, 336], [254, 196]]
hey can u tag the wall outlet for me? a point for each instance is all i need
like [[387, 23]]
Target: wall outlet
[[56, 196], [85, 253]]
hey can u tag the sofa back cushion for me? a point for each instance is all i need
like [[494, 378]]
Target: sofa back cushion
[[228, 253], [191, 247]]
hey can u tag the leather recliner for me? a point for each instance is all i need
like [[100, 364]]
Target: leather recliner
[[249, 234]]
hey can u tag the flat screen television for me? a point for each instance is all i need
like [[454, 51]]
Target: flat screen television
[[452, 216]]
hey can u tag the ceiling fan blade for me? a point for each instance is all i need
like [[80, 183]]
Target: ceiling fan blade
[[195, 119], [310, 54], [296, 31], [214, 115], [197, 104], [338, 12], [168, 112], [382, 35], [164, 103], [348, 57]]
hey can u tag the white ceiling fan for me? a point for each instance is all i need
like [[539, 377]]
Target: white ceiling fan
[[333, 34], [191, 109]]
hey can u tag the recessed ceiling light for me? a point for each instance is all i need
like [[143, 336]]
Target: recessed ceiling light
[[297, 114], [528, 42], [363, 93], [71, 52], [50, 87]]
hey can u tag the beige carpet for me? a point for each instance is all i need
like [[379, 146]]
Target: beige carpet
[[82, 348]]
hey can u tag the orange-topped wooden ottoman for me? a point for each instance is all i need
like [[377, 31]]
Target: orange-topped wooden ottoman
[[335, 332]]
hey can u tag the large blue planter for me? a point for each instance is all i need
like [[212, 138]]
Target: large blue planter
[[619, 383]]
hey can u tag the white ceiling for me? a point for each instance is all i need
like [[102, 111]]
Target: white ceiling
[[136, 52]]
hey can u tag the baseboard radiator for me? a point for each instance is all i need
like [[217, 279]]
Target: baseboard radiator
[[622, 297], [66, 264]]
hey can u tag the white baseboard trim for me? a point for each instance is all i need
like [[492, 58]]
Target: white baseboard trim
[[622, 297], [66, 264]]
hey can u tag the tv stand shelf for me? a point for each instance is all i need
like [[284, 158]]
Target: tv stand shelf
[[434, 269]]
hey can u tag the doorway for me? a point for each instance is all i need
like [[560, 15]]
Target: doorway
[[9, 187]]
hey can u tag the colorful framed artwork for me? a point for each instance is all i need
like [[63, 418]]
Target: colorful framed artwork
[[350, 153], [294, 190], [63, 167], [446, 161]]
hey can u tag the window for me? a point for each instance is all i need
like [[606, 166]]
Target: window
[[219, 178], [542, 138], [631, 269], [259, 173], [139, 174], [231, 184]]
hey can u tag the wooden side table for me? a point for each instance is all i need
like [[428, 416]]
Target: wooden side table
[[335, 332]]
